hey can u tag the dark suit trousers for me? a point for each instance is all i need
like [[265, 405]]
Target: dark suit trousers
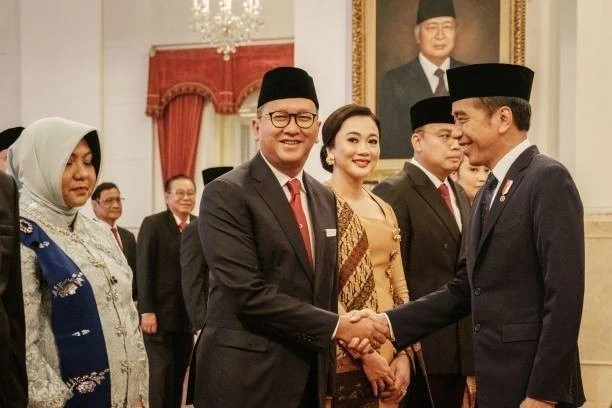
[[168, 354], [447, 390]]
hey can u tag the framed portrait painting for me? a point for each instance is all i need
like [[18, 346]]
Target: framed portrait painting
[[390, 49]]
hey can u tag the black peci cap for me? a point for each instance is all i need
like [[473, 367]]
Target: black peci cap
[[8, 137], [287, 82], [431, 110], [480, 80], [212, 173], [434, 8]]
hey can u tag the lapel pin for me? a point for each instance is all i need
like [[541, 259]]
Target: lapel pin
[[505, 190]]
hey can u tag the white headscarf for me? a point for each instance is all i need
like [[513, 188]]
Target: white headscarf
[[37, 160]]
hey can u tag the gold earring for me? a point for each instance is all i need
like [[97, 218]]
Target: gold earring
[[330, 159]]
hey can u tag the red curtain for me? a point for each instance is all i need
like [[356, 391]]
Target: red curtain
[[181, 80], [178, 131]]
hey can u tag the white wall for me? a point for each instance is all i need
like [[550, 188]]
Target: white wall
[[10, 65]]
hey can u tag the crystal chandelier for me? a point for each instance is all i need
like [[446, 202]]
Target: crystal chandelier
[[224, 30]]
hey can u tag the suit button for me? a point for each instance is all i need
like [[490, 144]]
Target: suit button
[[477, 291], [477, 327]]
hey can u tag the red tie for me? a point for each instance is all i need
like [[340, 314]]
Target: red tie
[[443, 190], [182, 226], [295, 189], [116, 235]]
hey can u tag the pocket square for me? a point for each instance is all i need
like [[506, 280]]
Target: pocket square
[[330, 232]]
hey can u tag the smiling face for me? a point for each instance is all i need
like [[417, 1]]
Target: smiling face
[[436, 149], [180, 198], [79, 176], [479, 133], [356, 148], [436, 38], [286, 148]]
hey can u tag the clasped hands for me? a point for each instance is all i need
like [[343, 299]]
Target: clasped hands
[[362, 331]]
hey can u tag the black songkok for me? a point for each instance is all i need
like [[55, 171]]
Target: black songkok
[[8, 137], [481, 80], [212, 173], [431, 110], [287, 82], [434, 8]]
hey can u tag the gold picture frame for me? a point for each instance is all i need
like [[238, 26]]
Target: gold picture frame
[[512, 15]]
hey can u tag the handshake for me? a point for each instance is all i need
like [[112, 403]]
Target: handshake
[[362, 331]]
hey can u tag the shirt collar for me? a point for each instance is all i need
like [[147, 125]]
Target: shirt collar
[[429, 67], [283, 178], [178, 220], [502, 167], [435, 180], [114, 225]]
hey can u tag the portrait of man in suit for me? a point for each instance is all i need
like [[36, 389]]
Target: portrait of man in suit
[[164, 320], [417, 41], [268, 232], [432, 212], [107, 205], [521, 276]]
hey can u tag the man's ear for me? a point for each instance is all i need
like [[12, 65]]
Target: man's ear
[[255, 125], [505, 118]]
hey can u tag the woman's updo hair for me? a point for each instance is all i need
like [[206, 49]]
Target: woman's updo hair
[[334, 122]]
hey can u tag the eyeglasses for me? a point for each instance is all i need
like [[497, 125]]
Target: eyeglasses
[[182, 193], [281, 119], [107, 202]]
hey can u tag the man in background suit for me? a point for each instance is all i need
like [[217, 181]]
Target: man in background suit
[[164, 319], [522, 276], [7, 138], [13, 378], [194, 271], [421, 78], [432, 211], [107, 205], [268, 233]]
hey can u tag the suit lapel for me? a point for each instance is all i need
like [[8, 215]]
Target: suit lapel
[[425, 188], [271, 192], [417, 76], [506, 189], [318, 231]]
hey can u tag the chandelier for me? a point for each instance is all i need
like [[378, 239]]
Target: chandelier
[[223, 29]]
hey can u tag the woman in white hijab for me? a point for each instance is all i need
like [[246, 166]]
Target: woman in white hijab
[[83, 344]]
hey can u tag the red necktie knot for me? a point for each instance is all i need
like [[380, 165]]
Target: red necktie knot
[[116, 235], [182, 226]]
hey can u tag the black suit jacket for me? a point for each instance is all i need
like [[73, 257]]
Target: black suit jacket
[[269, 325], [401, 88], [194, 276], [431, 244], [13, 378], [523, 281], [158, 271], [129, 250]]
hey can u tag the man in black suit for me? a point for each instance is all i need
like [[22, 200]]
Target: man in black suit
[[421, 78], [194, 271], [268, 233], [432, 211], [13, 378], [107, 205], [164, 319], [522, 276]]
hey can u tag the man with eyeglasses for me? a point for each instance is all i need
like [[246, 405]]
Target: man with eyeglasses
[[107, 205], [431, 211], [164, 320], [268, 233]]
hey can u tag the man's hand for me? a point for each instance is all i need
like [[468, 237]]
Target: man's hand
[[355, 316], [363, 331], [148, 323], [534, 403]]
